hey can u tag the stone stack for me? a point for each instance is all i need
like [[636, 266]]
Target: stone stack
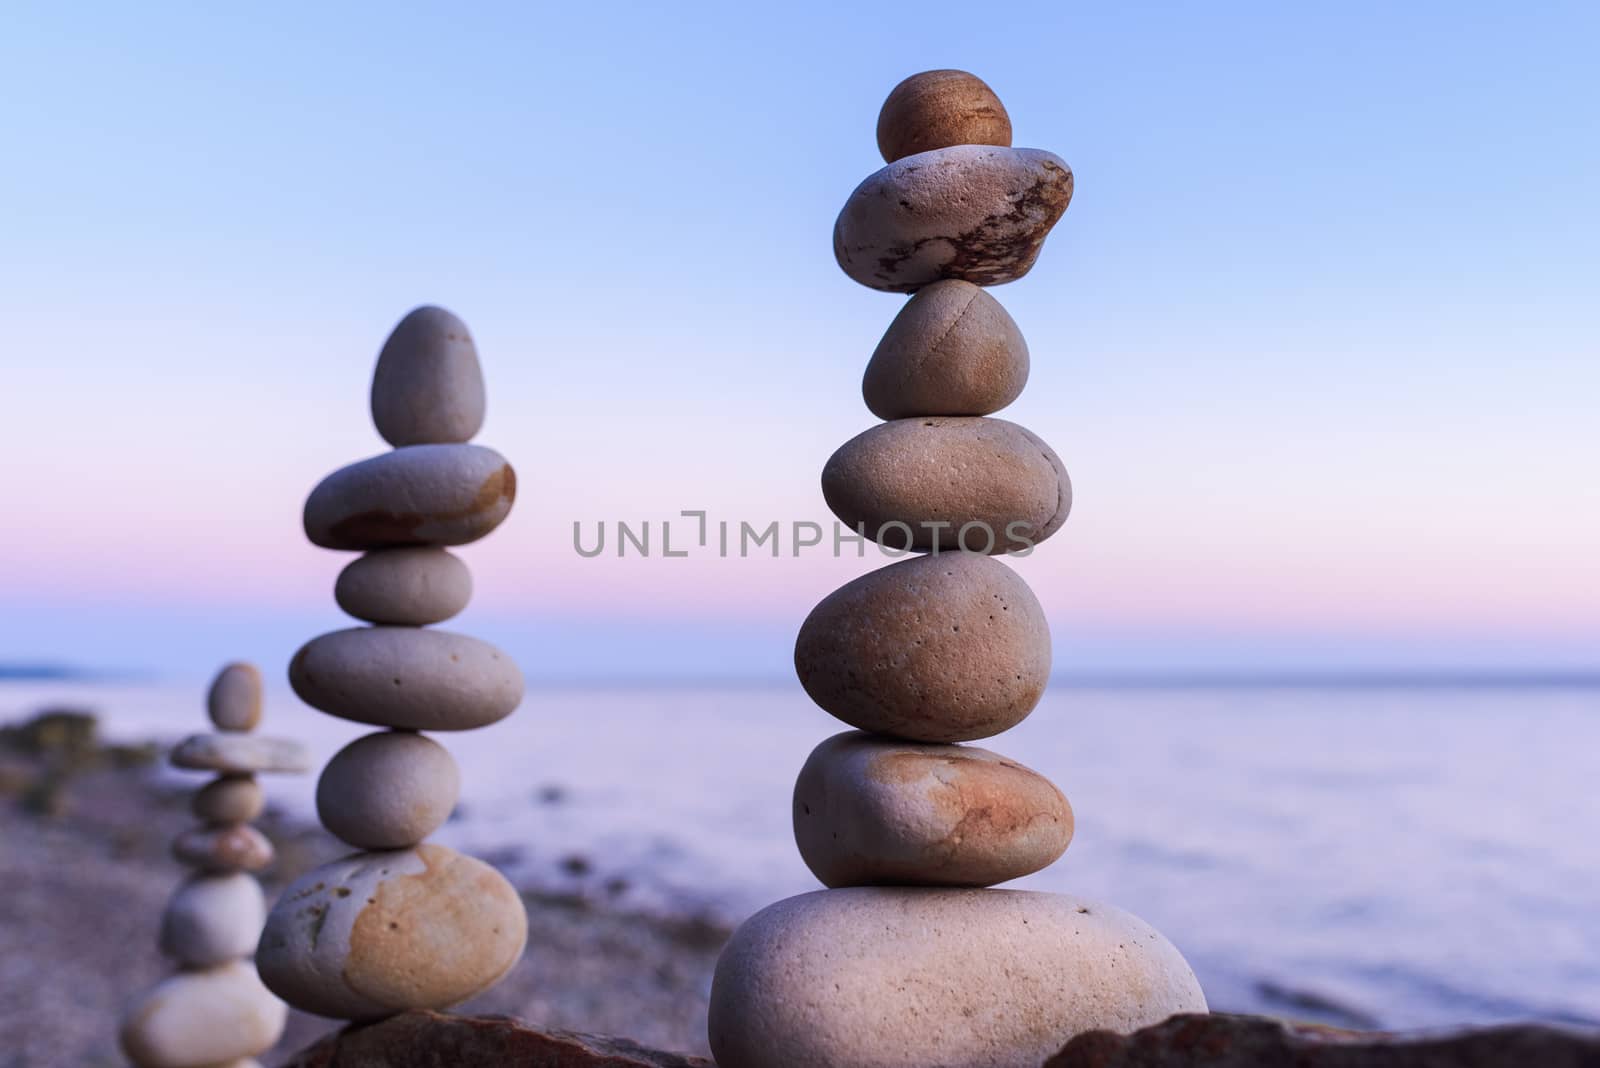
[[909, 959], [403, 924], [215, 1012]]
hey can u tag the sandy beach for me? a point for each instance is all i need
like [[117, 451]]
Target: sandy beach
[[84, 838]]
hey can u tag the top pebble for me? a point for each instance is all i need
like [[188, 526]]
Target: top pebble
[[234, 703], [938, 109], [428, 386]]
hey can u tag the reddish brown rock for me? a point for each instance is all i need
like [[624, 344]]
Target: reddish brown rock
[[1223, 1041], [417, 495], [431, 1040], [937, 109]]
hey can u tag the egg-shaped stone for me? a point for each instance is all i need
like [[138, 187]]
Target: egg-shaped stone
[[406, 677], [937, 109], [428, 386], [388, 790], [944, 648], [234, 701], [198, 1019], [870, 810], [952, 350], [240, 754], [405, 587], [417, 495], [974, 212], [978, 485], [377, 933], [903, 977], [223, 848], [229, 799], [213, 918]]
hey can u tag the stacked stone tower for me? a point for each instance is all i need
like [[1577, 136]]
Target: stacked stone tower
[[403, 923], [908, 959], [215, 1011]]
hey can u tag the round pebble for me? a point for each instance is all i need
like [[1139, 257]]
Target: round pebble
[[955, 482], [869, 810], [405, 587], [239, 754], [388, 791], [937, 109], [197, 1019], [901, 977], [234, 702], [428, 386], [952, 350], [945, 648], [377, 933], [229, 799], [972, 212], [228, 848], [418, 495], [212, 919], [408, 678]]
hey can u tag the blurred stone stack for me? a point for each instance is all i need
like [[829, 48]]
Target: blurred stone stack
[[215, 1010], [403, 924], [909, 959]]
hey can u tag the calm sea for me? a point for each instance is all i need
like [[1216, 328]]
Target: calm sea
[[1396, 857]]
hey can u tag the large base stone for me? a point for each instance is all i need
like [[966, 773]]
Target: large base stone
[[900, 977]]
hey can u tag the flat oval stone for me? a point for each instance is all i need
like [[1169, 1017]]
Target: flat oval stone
[[200, 1018], [937, 109], [942, 648], [418, 495], [974, 212], [869, 810], [213, 918], [408, 678], [378, 933], [388, 790], [428, 386], [405, 587], [228, 848], [234, 701], [240, 754], [952, 350], [229, 799], [936, 476], [902, 977]]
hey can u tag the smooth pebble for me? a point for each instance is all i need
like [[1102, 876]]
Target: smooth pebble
[[234, 701], [956, 482], [213, 918], [937, 109], [404, 587], [870, 810], [944, 648], [417, 495], [952, 350], [377, 933], [388, 790], [198, 1019], [238, 754], [428, 385], [229, 799], [405, 677], [226, 848]]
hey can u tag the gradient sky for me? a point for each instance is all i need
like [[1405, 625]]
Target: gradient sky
[[1317, 339]]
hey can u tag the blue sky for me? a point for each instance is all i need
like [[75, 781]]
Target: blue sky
[[1317, 338]]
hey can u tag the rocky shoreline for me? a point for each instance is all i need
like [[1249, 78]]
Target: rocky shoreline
[[86, 863]]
